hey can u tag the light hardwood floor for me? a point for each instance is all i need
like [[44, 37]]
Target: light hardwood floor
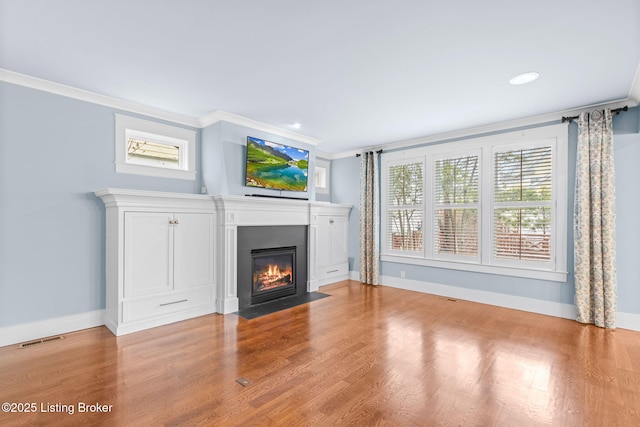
[[365, 356]]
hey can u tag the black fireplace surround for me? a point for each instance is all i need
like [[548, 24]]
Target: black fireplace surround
[[257, 244]]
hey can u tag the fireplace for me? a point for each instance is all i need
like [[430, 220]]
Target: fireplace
[[272, 263], [272, 273]]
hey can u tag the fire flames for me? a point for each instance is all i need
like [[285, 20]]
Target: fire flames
[[273, 276], [273, 271]]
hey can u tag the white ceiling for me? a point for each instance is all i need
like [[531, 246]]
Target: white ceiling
[[355, 73]]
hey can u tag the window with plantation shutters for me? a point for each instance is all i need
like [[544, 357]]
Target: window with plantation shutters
[[456, 206], [405, 196], [494, 204], [522, 205]]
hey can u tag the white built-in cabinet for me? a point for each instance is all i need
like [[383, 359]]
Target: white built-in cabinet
[[160, 258], [331, 243], [173, 256]]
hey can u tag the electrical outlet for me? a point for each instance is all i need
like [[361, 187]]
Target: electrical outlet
[[203, 190], [402, 275]]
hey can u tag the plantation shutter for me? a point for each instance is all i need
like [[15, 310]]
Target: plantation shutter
[[522, 217], [456, 207], [405, 206]]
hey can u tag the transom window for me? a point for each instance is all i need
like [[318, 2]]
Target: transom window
[[493, 204], [322, 174], [144, 147]]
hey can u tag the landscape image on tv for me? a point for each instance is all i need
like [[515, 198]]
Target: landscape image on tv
[[276, 166]]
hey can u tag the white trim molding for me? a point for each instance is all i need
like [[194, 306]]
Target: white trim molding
[[506, 126], [133, 107], [634, 92], [45, 328], [223, 116], [94, 98], [550, 308]]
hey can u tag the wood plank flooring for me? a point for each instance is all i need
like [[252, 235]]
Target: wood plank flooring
[[364, 356]]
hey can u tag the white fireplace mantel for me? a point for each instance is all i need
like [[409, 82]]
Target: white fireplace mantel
[[240, 211], [140, 295]]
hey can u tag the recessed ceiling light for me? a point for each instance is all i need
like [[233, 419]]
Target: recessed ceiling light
[[296, 125], [521, 79]]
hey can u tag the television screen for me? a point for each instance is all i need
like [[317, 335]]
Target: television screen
[[276, 166]]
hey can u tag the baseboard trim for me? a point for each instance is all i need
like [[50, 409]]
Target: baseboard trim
[[330, 280], [45, 328], [227, 305], [550, 308], [144, 324], [628, 321]]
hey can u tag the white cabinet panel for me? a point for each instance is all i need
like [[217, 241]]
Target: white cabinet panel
[[331, 250], [147, 253], [323, 247], [193, 250], [338, 236]]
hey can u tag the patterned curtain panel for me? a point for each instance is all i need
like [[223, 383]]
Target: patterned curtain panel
[[594, 221], [369, 218]]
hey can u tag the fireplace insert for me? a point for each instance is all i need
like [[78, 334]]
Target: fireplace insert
[[272, 273]]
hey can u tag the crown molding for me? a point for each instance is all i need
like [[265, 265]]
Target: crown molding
[[133, 107], [324, 155], [94, 98], [634, 92], [220, 116], [549, 118]]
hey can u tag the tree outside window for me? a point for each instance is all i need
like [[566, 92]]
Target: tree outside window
[[405, 217]]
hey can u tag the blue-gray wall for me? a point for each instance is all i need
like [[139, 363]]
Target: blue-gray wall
[[55, 152], [345, 189], [223, 152], [627, 154], [627, 151]]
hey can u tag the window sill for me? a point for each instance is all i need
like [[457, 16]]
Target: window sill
[[553, 276]]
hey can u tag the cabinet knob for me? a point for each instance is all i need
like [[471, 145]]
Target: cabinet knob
[[331, 221]]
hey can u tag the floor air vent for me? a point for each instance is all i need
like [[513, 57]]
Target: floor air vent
[[40, 341]]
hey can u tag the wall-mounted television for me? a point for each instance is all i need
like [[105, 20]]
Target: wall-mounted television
[[276, 166]]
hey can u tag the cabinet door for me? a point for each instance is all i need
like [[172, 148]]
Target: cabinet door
[[147, 253], [193, 250], [338, 236], [323, 248]]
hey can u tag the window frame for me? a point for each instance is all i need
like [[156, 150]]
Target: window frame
[[127, 126], [497, 205], [384, 199], [326, 167], [554, 135], [434, 205]]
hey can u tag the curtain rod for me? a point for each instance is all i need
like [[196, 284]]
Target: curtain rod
[[614, 111], [379, 151]]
